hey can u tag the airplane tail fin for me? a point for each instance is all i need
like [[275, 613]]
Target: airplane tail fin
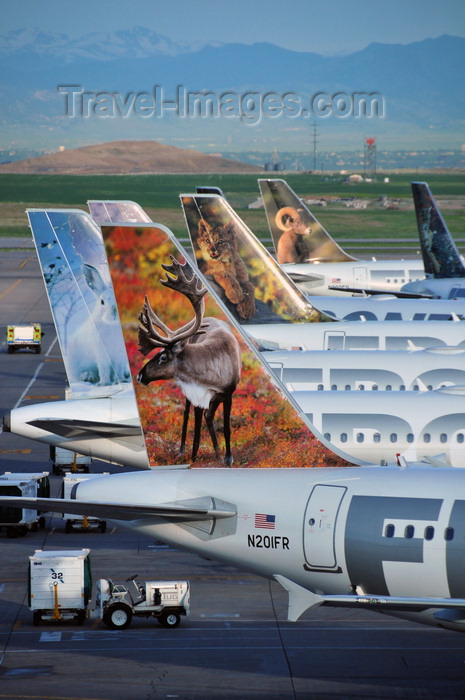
[[122, 211], [243, 273], [75, 270], [441, 259], [297, 235], [185, 353]]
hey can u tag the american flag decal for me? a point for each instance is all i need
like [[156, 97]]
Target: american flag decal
[[265, 521]]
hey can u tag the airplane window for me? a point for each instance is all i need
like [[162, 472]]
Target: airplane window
[[460, 438], [347, 387], [443, 437], [376, 437], [419, 317], [402, 387], [333, 387], [409, 532], [439, 317], [361, 387], [393, 316], [360, 437], [343, 437], [449, 533], [429, 532], [393, 437], [327, 437], [415, 387], [320, 387], [389, 530], [430, 387], [374, 387], [395, 280], [426, 437], [410, 437], [388, 387]]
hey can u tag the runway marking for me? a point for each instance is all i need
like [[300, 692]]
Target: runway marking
[[50, 637], [219, 615], [10, 288]]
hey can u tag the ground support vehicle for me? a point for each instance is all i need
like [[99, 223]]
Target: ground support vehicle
[[84, 522], [165, 600], [18, 521], [25, 335], [42, 482], [60, 585], [66, 460]]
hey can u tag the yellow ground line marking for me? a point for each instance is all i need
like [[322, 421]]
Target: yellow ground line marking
[[53, 359], [10, 288], [31, 257], [39, 397], [15, 452]]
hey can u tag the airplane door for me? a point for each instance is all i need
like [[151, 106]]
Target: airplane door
[[360, 276], [320, 528]]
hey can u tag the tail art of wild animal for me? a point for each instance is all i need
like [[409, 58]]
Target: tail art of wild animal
[[203, 357], [96, 351], [290, 248], [224, 264]]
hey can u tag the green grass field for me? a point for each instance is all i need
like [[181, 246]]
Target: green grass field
[[159, 194]]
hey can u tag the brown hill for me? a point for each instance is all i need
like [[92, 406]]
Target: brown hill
[[120, 157]]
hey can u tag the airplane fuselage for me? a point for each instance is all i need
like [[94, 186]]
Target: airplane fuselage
[[388, 275], [357, 335], [387, 308], [393, 370], [379, 531], [373, 427]]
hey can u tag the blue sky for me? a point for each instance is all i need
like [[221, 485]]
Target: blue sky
[[325, 26]]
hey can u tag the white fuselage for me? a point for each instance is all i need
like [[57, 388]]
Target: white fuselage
[[388, 275], [387, 370], [447, 288], [104, 428], [383, 531], [387, 308], [374, 427], [357, 335]]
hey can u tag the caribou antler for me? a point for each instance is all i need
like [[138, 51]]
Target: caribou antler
[[193, 289]]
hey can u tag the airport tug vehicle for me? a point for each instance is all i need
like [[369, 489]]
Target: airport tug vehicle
[[27, 335], [116, 604]]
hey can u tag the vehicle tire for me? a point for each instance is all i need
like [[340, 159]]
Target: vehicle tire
[[11, 349], [12, 532], [80, 617], [69, 526], [103, 526], [34, 527], [41, 522], [169, 619], [36, 618], [117, 616], [37, 349]]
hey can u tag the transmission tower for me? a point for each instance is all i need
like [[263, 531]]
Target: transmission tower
[[314, 126], [369, 168]]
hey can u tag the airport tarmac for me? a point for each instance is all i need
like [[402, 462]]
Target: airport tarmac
[[236, 643]]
